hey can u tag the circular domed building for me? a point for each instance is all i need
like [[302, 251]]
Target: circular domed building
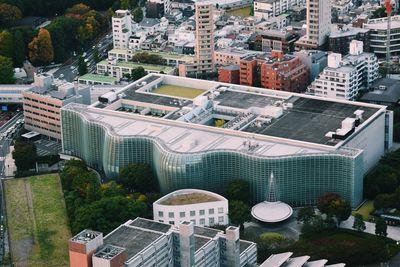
[[272, 210]]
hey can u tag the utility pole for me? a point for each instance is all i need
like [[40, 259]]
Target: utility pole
[[389, 9]]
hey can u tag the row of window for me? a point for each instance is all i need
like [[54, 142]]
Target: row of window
[[202, 221], [192, 213]]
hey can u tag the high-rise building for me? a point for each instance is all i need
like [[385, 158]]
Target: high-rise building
[[318, 25], [121, 28], [204, 37], [346, 78], [204, 59]]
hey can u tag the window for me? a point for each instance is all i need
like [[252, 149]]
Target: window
[[201, 212], [210, 211], [171, 222], [171, 214], [221, 219], [220, 210], [182, 214], [160, 214], [192, 213], [202, 221], [211, 220]]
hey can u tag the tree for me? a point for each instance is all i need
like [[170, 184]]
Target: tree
[[107, 213], [112, 189], [6, 44], [125, 4], [9, 13], [137, 14], [379, 13], [6, 71], [380, 227], [19, 49], [138, 178], [24, 155], [239, 213], [138, 73], [359, 223], [333, 205], [238, 189], [305, 214], [384, 201], [72, 168], [41, 48], [82, 66], [316, 224]]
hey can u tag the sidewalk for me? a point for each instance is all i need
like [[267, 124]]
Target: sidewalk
[[9, 164], [392, 231]]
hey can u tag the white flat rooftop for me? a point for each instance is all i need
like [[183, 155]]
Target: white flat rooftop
[[178, 137], [276, 260], [318, 263], [271, 212]]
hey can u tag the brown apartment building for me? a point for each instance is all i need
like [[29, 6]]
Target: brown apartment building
[[274, 71]]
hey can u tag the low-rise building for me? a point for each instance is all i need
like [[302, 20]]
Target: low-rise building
[[346, 78], [201, 207], [229, 74], [315, 61], [276, 40], [232, 56], [42, 104], [339, 41], [384, 91], [116, 68], [143, 243], [274, 71]]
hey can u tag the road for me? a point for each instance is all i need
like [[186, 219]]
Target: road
[[69, 70]]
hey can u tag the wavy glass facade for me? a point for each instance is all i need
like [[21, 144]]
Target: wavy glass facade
[[300, 178], [312, 145]]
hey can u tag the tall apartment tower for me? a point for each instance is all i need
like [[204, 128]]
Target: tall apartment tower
[[122, 28], [318, 25], [204, 37]]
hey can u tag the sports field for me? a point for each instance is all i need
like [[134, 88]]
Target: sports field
[[178, 91], [37, 221]]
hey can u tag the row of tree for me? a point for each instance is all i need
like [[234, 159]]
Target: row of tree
[[103, 207]]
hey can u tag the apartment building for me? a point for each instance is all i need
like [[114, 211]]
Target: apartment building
[[121, 28], [232, 56], [339, 40], [143, 242], [315, 61], [43, 102], [345, 78], [318, 25], [378, 28], [274, 71], [229, 74], [275, 40], [265, 9]]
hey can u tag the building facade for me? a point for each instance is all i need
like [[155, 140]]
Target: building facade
[[204, 37], [229, 74], [201, 207], [122, 28], [265, 131], [346, 78], [143, 243], [378, 29], [275, 40], [339, 41], [318, 25], [265, 9]]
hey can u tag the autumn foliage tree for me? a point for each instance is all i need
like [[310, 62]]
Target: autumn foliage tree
[[333, 205], [41, 49], [9, 13]]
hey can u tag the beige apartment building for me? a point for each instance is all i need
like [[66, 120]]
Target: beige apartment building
[[42, 104]]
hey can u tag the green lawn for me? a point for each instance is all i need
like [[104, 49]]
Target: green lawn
[[37, 221], [179, 91], [241, 12], [365, 209]]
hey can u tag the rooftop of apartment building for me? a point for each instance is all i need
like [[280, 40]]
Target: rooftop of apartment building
[[278, 34], [347, 32], [381, 23], [44, 84], [255, 121], [230, 67], [136, 235], [270, 58]]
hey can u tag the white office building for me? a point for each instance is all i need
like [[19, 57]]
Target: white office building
[[201, 207], [121, 28], [266, 9], [345, 78]]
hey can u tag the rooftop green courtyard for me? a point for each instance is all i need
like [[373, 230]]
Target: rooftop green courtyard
[[178, 91], [98, 78]]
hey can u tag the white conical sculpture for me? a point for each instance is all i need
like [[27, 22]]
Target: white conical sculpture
[[272, 194]]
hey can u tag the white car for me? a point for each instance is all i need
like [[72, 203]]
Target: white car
[[84, 54]]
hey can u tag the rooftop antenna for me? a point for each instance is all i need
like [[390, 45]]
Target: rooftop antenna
[[272, 193]]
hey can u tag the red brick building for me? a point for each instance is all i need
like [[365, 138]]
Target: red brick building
[[274, 71], [229, 74]]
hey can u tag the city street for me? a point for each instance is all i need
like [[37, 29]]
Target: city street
[[69, 71]]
